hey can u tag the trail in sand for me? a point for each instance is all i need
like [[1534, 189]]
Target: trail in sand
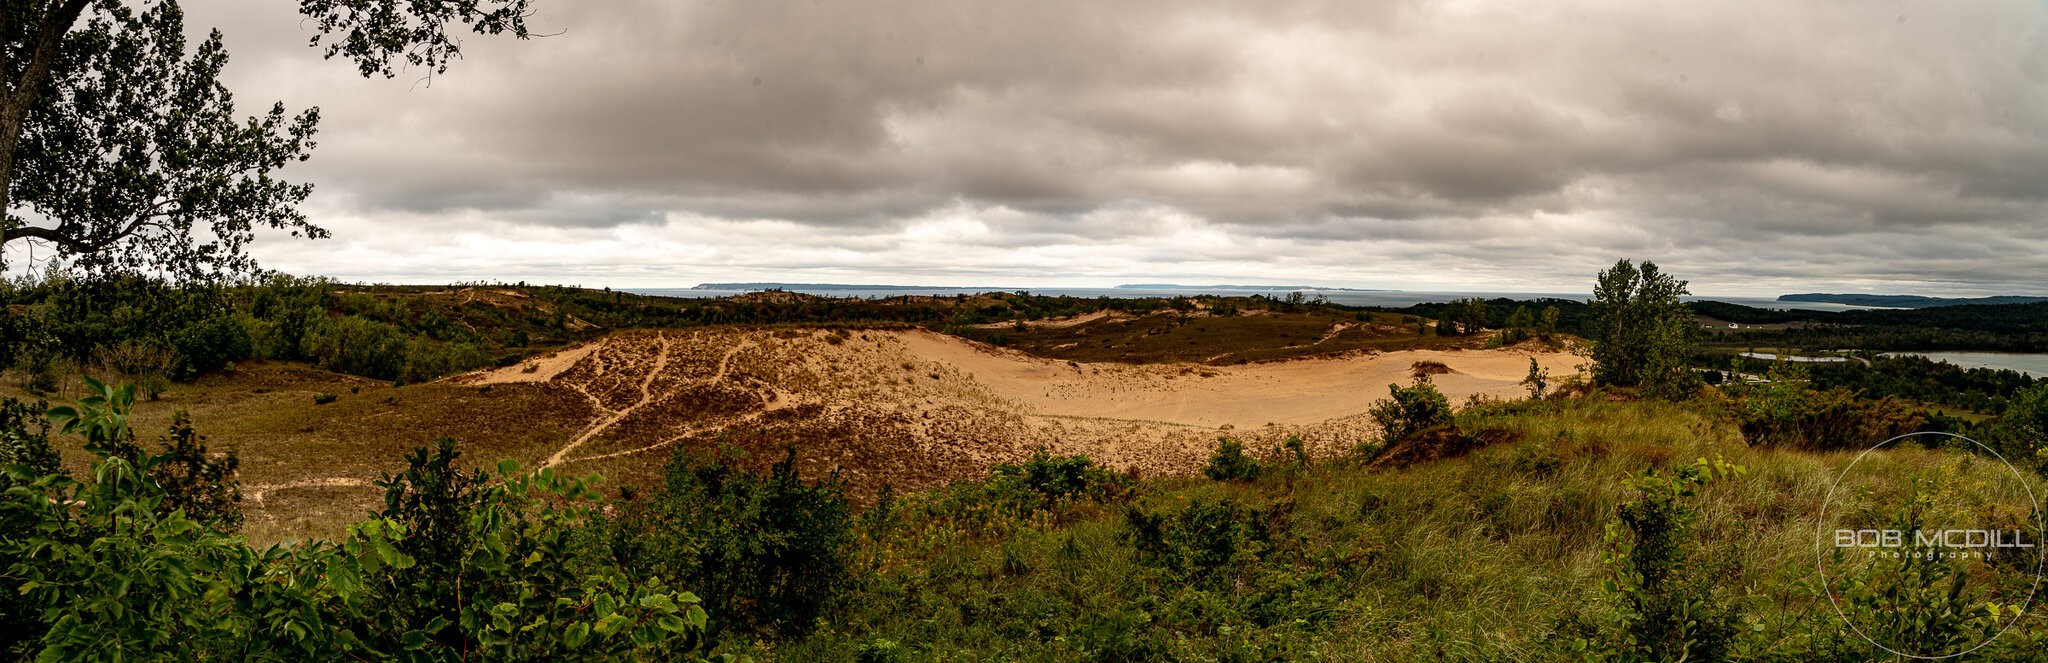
[[919, 408]]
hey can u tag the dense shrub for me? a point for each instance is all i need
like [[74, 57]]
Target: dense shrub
[[1410, 410], [1201, 541], [1786, 412], [1047, 480], [2021, 434], [768, 552], [1230, 463], [25, 457], [211, 344], [1670, 607], [458, 567]]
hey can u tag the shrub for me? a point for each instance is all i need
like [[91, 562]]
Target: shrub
[[210, 344], [1230, 463], [1201, 540], [357, 346], [146, 364], [25, 450], [25, 437], [1537, 380], [203, 484], [767, 552], [38, 367], [2021, 433], [1669, 608], [1047, 480], [458, 566], [1410, 410], [323, 399], [1786, 412]]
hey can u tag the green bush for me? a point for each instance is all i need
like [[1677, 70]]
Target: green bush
[[1670, 607], [39, 368], [200, 482], [1202, 541], [357, 346], [25, 457], [1786, 412], [210, 344], [2021, 433], [1410, 410], [459, 566], [1047, 480], [1230, 463], [768, 552]]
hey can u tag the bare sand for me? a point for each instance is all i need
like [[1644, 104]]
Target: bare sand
[[916, 408], [1295, 392]]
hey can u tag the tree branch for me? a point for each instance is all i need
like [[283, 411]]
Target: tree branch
[[54, 25], [50, 235]]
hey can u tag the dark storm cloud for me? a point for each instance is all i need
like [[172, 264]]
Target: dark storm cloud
[[1484, 132]]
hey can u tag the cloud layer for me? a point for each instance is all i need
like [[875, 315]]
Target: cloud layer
[[1752, 146]]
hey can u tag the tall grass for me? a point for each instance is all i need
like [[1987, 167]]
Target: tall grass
[[1497, 555]]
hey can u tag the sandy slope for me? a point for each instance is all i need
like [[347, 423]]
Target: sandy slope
[[916, 408], [1298, 392]]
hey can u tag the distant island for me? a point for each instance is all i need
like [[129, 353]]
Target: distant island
[[927, 288], [834, 286], [1245, 288], [1907, 301]]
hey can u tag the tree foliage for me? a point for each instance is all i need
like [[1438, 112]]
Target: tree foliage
[[769, 552], [122, 150], [1644, 336], [460, 565], [1410, 410]]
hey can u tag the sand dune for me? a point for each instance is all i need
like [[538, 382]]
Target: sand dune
[[917, 408], [1297, 392]]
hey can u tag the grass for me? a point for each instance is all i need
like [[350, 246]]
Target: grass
[[1496, 555], [267, 412]]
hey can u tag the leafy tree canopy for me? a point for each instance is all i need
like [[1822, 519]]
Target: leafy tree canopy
[[121, 150]]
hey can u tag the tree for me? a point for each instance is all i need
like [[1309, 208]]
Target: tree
[[116, 141], [2022, 431], [1470, 312], [1642, 333], [1548, 325], [1521, 319], [1537, 380]]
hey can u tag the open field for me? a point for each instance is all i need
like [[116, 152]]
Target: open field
[[910, 408]]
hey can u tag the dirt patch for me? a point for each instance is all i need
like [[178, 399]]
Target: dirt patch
[[1426, 368], [1440, 443]]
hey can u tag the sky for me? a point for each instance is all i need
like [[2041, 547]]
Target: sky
[[1752, 147]]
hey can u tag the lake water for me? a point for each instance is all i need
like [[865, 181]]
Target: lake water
[[1795, 358], [2035, 365], [1387, 298]]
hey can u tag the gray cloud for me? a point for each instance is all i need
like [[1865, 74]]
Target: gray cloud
[[1376, 137]]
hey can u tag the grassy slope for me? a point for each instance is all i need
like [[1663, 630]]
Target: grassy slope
[[1492, 556]]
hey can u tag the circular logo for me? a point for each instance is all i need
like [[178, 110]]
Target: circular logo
[[1931, 550]]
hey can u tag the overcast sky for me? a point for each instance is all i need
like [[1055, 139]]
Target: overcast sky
[[1752, 147]]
